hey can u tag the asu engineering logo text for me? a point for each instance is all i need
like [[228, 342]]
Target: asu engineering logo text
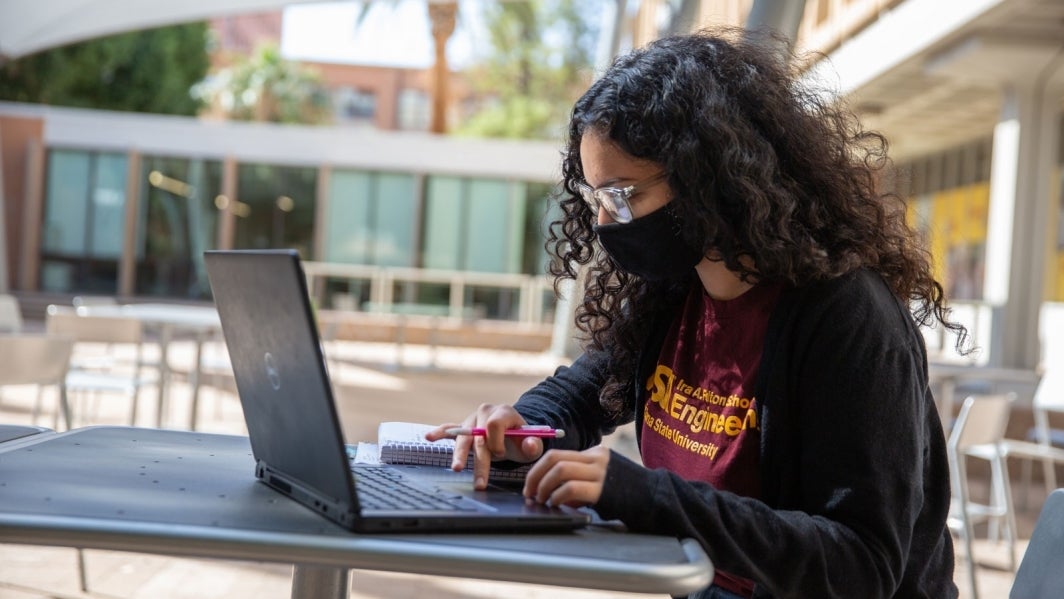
[[696, 409]]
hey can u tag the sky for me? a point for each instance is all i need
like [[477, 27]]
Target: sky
[[393, 34]]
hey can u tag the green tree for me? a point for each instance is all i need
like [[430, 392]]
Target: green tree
[[141, 71], [541, 60], [265, 87]]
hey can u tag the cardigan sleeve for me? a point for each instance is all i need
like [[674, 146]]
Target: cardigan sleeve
[[855, 386], [569, 399]]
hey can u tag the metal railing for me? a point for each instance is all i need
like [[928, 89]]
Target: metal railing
[[531, 290]]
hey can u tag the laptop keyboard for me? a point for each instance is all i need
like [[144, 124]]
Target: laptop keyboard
[[382, 488]]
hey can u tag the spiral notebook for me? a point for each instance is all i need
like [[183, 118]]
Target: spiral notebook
[[404, 443]]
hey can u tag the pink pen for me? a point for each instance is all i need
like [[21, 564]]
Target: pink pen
[[524, 431]]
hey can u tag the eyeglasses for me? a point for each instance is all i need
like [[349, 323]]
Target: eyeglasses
[[615, 199]]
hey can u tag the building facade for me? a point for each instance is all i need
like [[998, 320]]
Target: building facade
[[968, 92], [125, 204]]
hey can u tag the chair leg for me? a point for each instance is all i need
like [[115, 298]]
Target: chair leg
[[1010, 512], [133, 401], [37, 404], [996, 502], [83, 578], [966, 521], [64, 407], [1050, 471], [1026, 475]]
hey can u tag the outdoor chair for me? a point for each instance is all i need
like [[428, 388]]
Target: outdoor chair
[[39, 360], [10, 314], [978, 431], [106, 371], [1048, 398]]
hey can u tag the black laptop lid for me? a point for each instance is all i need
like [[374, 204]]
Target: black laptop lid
[[1041, 573], [279, 367]]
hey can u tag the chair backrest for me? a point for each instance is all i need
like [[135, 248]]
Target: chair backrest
[[982, 419], [34, 359], [10, 314], [1041, 573], [64, 320], [1048, 397]]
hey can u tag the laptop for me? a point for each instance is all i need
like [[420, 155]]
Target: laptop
[[1040, 573], [296, 439]]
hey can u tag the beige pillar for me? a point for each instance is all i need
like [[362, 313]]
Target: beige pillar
[[32, 217], [127, 265], [226, 203]]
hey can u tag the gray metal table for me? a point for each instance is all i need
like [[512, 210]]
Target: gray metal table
[[947, 376], [194, 495]]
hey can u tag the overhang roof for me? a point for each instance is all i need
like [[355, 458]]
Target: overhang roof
[[949, 92]]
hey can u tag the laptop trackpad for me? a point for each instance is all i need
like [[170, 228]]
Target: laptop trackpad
[[460, 484]]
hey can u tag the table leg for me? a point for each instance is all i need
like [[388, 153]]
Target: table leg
[[165, 333], [196, 373], [315, 582]]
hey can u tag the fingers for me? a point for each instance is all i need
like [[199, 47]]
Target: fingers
[[440, 432], [573, 478], [462, 443], [528, 450], [494, 445]]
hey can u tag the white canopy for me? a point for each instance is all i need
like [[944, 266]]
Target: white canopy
[[27, 26]]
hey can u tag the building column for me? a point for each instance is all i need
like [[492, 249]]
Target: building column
[[127, 262], [1026, 139], [226, 204], [32, 217], [3, 226]]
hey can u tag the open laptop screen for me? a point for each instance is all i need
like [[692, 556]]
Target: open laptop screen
[[279, 367]]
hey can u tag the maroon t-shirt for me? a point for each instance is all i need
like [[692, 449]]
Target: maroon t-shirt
[[700, 420]]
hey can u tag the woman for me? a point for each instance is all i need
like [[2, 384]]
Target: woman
[[751, 312]]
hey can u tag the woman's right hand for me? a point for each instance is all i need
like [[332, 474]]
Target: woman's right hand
[[495, 419]]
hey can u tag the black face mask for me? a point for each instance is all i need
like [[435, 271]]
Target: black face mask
[[649, 247]]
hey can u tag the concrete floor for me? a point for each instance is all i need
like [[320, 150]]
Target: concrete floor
[[371, 387]]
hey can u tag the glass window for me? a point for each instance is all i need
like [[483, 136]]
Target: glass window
[[395, 222], [414, 107], [348, 230], [178, 221], [66, 209], [84, 216], [354, 105], [444, 214], [539, 212], [372, 218], [275, 207], [490, 229], [108, 207]]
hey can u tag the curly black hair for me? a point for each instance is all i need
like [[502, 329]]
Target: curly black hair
[[777, 179]]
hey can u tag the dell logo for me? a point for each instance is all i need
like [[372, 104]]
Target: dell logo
[[271, 372]]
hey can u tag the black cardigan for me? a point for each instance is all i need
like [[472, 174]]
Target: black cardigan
[[854, 477]]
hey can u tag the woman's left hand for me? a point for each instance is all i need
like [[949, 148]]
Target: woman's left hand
[[565, 477]]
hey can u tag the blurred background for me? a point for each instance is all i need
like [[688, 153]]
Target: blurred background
[[409, 150], [418, 142]]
